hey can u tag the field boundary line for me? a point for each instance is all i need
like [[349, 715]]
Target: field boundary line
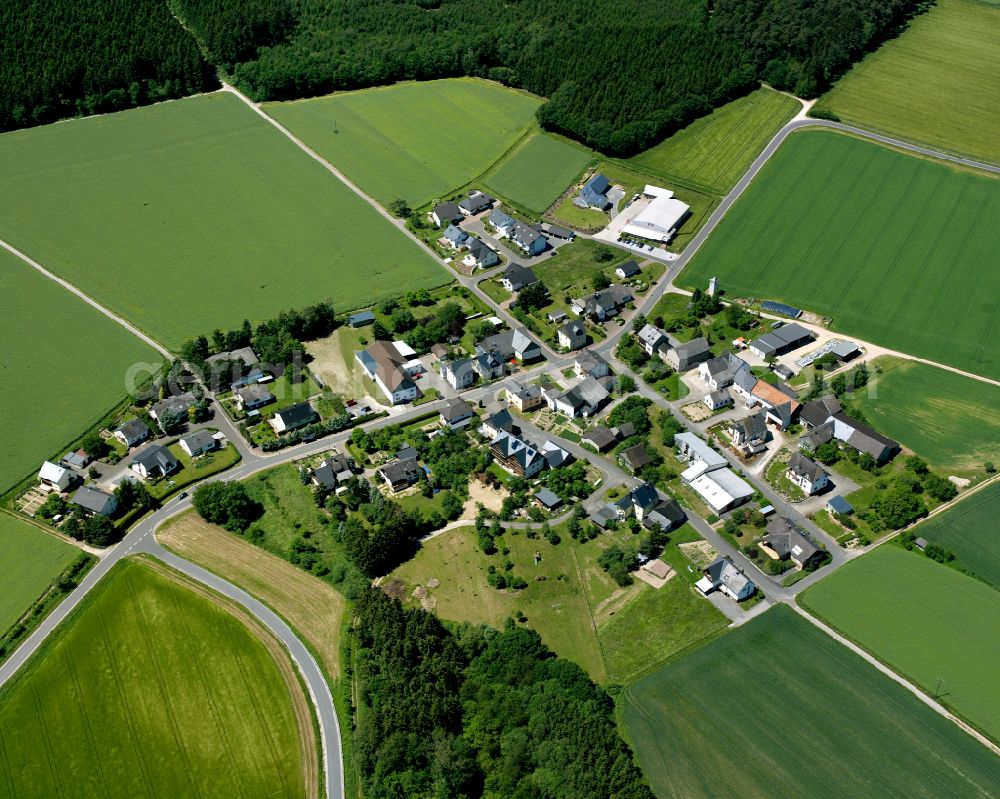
[[89, 300], [889, 672]]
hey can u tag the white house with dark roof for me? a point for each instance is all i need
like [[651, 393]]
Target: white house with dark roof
[[603, 304], [173, 406], [528, 239], [198, 443], [627, 269], [723, 576], [446, 212], [475, 203], [583, 399], [293, 417], [515, 277], [786, 541], [806, 474], [594, 193], [95, 501], [720, 372], [572, 335], [480, 255], [687, 355], [517, 457], [132, 432], [592, 364], [455, 237], [456, 413], [458, 374], [154, 461], [250, 398], [392, 366], [509, 344], [651, 338], [749, 434]]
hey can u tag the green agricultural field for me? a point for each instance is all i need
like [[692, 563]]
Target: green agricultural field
[[778, 709], [33, 560], [195, 214], [935, 84], [925, 620], [969, 529], [715, 150], [898, 250], [538, 171], [415, 141], [152, 689], [63, 365], [951, 421]]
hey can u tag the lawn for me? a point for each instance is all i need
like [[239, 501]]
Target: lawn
[[588, 219], [927, 621], [538, 171], [577, 263], [414, 141], [194, 469], [715, 150], [776, 708], [935, 84], [951, 421], [196, 214], [154, 689], [62, 363], [969, 529], [34, 559], [897, 250]]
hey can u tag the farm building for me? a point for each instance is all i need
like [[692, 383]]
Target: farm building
[[546, 499], [661, 217], [785, 339]]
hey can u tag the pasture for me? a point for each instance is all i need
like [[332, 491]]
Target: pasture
[[970, 531], [537, 172], [935, 84], [154, 689], [927, 621], [196, 214], [412, 141], [62, 363], [715, 150], [33, 560], [951, 421], [895, 249], [777, 708]]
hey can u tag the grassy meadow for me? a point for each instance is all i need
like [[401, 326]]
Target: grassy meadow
[[33, 560], [925, 620], [715, 150], [951, 421], [62, 364], [414, 141], [935, 84], [895, 249], [777, 708], [969, 529], [195, 214], [538, 171], [153, 689]]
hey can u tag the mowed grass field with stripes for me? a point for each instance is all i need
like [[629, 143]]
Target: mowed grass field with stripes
[[897, 250], [151, 689]]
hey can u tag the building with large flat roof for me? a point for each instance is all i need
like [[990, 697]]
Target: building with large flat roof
[[661, 217]]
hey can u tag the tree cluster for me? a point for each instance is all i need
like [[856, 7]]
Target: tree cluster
[[227, 504]]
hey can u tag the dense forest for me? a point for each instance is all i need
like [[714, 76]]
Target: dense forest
[[479, 713], [619, 75], [62, 58]]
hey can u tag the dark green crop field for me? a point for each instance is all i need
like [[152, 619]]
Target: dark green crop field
[[897, 250]]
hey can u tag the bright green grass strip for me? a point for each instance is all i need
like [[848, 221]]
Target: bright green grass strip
[[415, 141], [32, 560], [149, 689], [715, 150], [895, 249], [63, 365], [950, 420], [778, 709], [936, 84], [537, 173], [196, 214], [925, 620], [969, 529]]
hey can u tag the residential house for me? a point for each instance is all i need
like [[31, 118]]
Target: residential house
[[333, 471], [786, 541], [722, 575], [688, 355], [591, 364], [651, 508], [198, 443], [132, 432], [781, 340], [502, 222], [600, 438], [515, 277], [555, 456], [667, 514], [392, 365], [488, 366], [780, 402], [446, 213], [749, 434], [401, 473], [500, 421], [153, 462], [547, 500], [717, 399], [572, 335], [253, 397], [818, 411], [95, 501], [360, 319], [525, 397], [515, 456], [722, 371], [458, 374], [556, 232], [480, 255], [475, 203], [528, 239], [172, 406], [455, 237], [510, 344], [55, 476], [594, 193], [244, 355], [634, 458], [651, 338], [293, 417], [628, 269], [583, 399], [456, 413], [604, 304], [806, 474], [815, 437]]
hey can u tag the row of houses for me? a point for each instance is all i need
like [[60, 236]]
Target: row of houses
[[826, 421], [452, 213], [492, 353], [651, 508]]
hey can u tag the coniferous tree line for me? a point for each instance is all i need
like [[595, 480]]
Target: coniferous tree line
[[61, 58], [619, 77]]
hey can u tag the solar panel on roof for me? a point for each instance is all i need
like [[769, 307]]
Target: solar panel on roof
[[782, 308]]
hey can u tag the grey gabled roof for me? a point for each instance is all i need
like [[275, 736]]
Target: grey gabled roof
[[548, 498], [785, 538], [501, 218], [863, 438], [501, 420], [651, 335], [455, 410], [800, 465], [840, 505], [198, 439], [694, 347], [601, 437], [572, 329], [156, 456], [628, 268], [94, 500], [517, 274], [636, 456], [177, 404], [817, 411], [447, 211], [297, 414], [398, 471], [133, 428]]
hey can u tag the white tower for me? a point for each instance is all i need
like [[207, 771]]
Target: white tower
[[712, 286]]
